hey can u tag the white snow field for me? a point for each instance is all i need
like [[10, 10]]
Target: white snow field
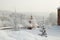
[[52, 32]]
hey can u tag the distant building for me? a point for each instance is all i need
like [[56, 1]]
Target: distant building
[[58, 16]]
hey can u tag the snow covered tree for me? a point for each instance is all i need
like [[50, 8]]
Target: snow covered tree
[[17, 20], [52, 18], [13, 20], [43, 30]]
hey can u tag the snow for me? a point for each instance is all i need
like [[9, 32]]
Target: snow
[[23, 35], [20, 25], [53, 34], [4, 36], [17, 35]]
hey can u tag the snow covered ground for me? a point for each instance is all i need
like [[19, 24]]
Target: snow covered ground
[[53, 33]]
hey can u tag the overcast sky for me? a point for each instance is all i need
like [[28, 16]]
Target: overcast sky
[[30, 5]]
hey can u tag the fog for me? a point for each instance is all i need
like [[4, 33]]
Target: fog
[[36, 7]]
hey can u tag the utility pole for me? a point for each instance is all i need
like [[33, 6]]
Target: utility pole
[[15, 23]]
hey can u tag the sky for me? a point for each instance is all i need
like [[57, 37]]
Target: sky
[[30, 5]]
